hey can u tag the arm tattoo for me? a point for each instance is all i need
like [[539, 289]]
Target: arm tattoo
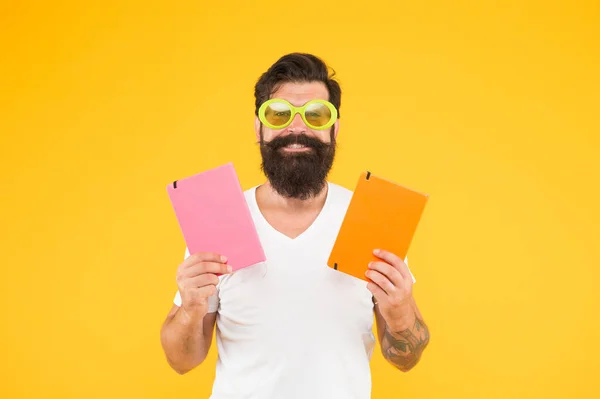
[[403, 348]]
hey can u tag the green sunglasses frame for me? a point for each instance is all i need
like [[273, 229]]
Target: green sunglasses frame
[[297, 110]]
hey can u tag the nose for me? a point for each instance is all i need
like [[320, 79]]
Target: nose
[[297, 125]]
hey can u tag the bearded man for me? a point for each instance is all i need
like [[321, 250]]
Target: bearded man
[[292, 327]]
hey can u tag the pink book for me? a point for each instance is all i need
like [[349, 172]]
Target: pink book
[[213, 216]]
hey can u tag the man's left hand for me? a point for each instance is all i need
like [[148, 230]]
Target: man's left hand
[[391, 285]]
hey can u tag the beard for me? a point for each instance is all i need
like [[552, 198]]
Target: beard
[[299, 175]]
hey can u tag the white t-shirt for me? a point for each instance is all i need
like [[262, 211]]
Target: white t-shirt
[[292, 327]]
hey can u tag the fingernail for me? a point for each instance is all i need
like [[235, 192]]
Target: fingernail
[[376, 251], [370, 265], [223, 258], [229, 269]]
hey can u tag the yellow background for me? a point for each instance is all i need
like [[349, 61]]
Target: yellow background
[[490, 107]]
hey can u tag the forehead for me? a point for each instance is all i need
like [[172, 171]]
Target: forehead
[[300, 93]]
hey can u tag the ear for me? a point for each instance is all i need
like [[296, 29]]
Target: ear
[[336, 127], [257, 128]]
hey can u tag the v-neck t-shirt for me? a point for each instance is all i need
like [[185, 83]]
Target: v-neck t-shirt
[[292, 327]]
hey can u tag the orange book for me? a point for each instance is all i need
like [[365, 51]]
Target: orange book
[[381, 215]]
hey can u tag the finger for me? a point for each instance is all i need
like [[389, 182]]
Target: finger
[[202, 280], [199, 257], [389, 271], [394, 261], [382, 281], [205, 267], [220, 268], [378, 293]]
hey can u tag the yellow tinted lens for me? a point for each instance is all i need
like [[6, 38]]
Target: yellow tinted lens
[[317, 114], [278, 114]]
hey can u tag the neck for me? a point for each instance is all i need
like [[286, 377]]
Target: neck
[[272, 198]]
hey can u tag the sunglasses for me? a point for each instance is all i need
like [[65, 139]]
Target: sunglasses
[[316, 114]]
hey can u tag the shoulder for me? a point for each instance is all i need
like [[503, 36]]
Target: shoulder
[[249, 194], [339, 194], [250, 191]]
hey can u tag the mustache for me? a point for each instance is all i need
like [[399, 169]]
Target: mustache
[[302, 139]]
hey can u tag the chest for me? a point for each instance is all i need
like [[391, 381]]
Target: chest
[[293, 291], [290, 224]]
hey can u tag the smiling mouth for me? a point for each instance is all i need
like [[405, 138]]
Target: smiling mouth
[[296, 148]]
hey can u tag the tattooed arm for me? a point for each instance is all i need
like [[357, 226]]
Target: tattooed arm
[[403, 343]]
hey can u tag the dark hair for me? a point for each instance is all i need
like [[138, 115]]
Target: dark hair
[[296, 68]]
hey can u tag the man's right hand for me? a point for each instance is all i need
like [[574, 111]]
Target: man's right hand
[[197, 280]]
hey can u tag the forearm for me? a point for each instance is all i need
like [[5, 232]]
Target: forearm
[[405, 340], [184, 342]]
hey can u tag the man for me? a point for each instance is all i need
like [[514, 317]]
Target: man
[[292, 327]]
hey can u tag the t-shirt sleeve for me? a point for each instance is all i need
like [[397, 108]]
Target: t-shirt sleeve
[[213, 300]]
